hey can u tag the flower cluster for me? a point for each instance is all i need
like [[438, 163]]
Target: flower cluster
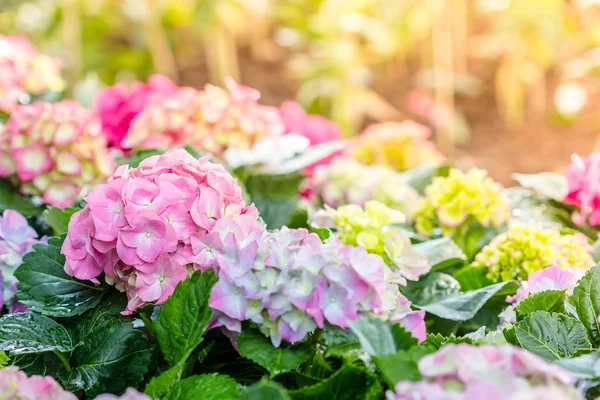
[[130, 394], [16, 385], [56, 150], [118, 105], [345, 181], [525, 249], [467, 372], [462, 198], [211, 120], [398, 145], [16, 240], [372, 228], [289, 283], [583, 190], [24, 71], [148, 224]]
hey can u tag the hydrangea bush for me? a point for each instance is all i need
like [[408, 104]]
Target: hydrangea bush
[[54, 150]]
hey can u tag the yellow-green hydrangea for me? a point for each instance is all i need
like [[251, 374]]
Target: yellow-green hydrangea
[[372, 228], [525, 249], [462, 198]]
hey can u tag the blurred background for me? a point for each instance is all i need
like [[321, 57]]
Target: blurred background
[[507, 85]]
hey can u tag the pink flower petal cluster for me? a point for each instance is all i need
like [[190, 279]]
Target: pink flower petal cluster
[[468, 372], [16, 385], [16, 240], [550, 278], [24, 71], [54, 150], [583, 188], [130, 394], [289, 283], [212, 120], [147, 225], [118, 105]]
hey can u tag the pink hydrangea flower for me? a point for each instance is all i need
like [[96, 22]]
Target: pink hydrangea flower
[[468, 372], [583, 190], [16, 385], [147, 227], [24, 71], [118, 105], [55, 150], [212, 120], [550, 278]]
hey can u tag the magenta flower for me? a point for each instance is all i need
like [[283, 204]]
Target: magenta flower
[[156, 281], [583, 189], [130, 394], [550, 278], [16, 385]]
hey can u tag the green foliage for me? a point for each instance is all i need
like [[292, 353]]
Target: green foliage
[[11, 199], [340, 342], [421, 177], [441, 253], [277, 360], [26, 333], [436, 341], [45, 287], [431, 287], [472, 278], [205, 387], [160, 385], [586, 301], [265, 390], [552, 301], [401, 366], [58, 219], [379, 338], [586, 366]]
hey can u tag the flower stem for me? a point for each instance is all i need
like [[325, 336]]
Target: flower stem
[[63, 359], [147, 322]]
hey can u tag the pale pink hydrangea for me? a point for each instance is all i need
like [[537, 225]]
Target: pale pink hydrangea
[[54, 150], [583, 185], [118, 105], [468, 372], [16, 240], [148, 226], [290, 282], [550, 278], [16, 385], [212, 120], [24, 71]]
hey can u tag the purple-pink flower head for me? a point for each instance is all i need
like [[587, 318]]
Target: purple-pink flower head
[[550, 278], [147, 226], [583, 177], [16, 385]]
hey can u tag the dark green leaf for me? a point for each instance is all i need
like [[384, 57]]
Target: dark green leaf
[[26, 333], [265, 390], [256, 347], [205, 387], [551, 336], [586, 366], [586, 300], [437, 341], [464, 306], [10, 199], [431, 287], [401, 366], [441, 253], [340, 342], [348, 383], [184, 317], [379, 338], [58, 219], [45, 287], [552, 301], [472, 278], [31, 364]]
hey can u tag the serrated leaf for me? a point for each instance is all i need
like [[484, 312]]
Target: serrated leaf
[[431, 287], [112, 354], [58, 219], [401, 366], [205, 387], [160, 385], [436, 341], [265, 390], [46, 288], [348, 383], [441, 253], [586, 300], [10, 199], [586, 366], [552, 301], [379, 338], [256, 347], [551, 336], [184, 317], [26, 333], [465, 305], [510, 335]]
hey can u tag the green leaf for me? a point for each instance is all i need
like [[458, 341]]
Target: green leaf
[[134, 160], [25, 333], [586, 300], [160, 385], [3, 359], [401, 366], [551, 336], [340, 342], [205, 387], [184, 317], [46, 288], [436, 341], [472, 278], [586, 366], [431, 287], [546, 184], [348, 383], [421, 177], [111, 356], [10, 199], [441, 253], [552, 301], [464, 306], [379, 338], [265, 390], [256, 347], [58, 219], [510, 335]]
